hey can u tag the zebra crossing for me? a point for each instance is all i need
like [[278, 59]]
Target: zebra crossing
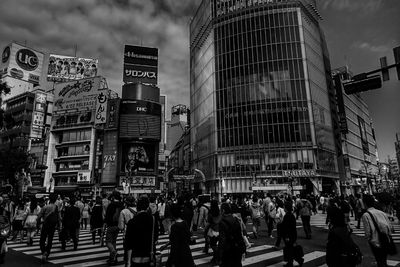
[[319, 220], [89, 254]]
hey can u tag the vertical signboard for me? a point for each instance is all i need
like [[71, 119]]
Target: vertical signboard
[[140, 64], [22, 63], [112, 113], [101, 107], [363, 135], [38, 115], [109, 172]]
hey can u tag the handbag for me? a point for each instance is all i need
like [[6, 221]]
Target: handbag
[[155, 256], [385, 240]]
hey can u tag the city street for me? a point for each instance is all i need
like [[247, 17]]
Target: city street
[[260, 254]]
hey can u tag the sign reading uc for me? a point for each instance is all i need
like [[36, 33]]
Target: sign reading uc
[[27, 59]]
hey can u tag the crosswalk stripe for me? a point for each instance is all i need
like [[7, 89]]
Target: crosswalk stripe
[[307, 258]]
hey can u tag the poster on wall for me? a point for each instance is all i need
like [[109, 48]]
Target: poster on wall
[[22, 63], [65, 68], [78, 95], [101, 107], [137, 157]]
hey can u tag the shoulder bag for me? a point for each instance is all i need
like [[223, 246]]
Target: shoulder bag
[[385, 240]]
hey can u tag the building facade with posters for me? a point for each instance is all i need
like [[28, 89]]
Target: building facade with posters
[[260, 97], [358, 137], [71, 158]]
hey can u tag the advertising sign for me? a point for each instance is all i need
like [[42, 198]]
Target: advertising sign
[[299, 173], [101, 107], [143, 181], [78, 95], [138, 157], [140, 64], [363, 135], [65, 68], [113, 113], [40, 102], [22, 63], [83, 177], [140, 119]]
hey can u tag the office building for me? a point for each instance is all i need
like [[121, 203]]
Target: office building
[[260, 97], [359, 146]]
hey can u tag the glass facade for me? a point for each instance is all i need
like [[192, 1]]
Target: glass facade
[[259, 97]]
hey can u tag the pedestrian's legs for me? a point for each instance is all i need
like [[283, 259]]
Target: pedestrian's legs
[[380, 256], [43, 237], [278, 239], [270, 226], [214, 247], [306, 225], [111, 239], [206, 239], [93, 236], [50, 240]]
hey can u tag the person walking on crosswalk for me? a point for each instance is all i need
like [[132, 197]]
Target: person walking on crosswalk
[[96, 220], [376, 223], [70, 223], [255, 209], [305, 214], [51, 220], [112, 216], [139, 233]]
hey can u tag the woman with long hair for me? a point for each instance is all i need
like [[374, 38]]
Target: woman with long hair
[[31, 220], [85, 215]]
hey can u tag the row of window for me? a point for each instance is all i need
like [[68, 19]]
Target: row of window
[[72, 165], [75, 135], [74, 150]]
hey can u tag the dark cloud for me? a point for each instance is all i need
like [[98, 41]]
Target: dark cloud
[[100, 28]]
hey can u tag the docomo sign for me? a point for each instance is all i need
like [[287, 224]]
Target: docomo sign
[[27, 59], [141, 74]]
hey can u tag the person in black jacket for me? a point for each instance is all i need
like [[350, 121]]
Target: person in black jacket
[[96, 219], [289, 236], [139, 232], [112, 216], [70, 224], [231, 246], [180, 255], [339, 242]]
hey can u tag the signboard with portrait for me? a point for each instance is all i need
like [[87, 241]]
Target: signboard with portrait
[[137, 158], [78, 95], [140, 64], [83, 177], [101, 107], [22, 63], [65, 68]]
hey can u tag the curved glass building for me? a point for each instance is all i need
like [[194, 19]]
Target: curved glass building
[[260, 97]]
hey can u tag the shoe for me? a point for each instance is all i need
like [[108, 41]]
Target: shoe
[[271, 236], [44, 257], [205, 251], [301, 261], [276, 248]]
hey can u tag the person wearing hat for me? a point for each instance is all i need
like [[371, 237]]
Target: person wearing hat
[[111, 220]]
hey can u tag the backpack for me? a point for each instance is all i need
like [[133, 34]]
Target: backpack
[[116, 214], [52, 218]]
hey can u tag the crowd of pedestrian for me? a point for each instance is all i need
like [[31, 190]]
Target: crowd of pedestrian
[[222, 224]]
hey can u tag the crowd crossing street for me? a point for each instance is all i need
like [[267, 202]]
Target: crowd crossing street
[[261, 253]]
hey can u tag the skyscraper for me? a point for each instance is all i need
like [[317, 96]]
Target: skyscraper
[[260, 97]]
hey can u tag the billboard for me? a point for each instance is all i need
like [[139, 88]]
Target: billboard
[[140, 119], [38, 115], [138, 157], [83, 177], [363, 135], [101, 107], [140, 64], [22, 63], [78, 95], [65, 68], [142, 181]]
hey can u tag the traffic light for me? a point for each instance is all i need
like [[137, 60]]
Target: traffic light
[[362, 83]]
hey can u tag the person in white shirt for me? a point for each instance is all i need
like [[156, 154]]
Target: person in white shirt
[[371, 218], [280, 213], [161, 210]]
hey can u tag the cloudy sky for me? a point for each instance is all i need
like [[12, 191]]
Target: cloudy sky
[[358, 33]]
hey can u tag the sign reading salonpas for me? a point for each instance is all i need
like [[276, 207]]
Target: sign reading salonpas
[[140, 64], [65, 68], [22, 63], [78, 95]]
